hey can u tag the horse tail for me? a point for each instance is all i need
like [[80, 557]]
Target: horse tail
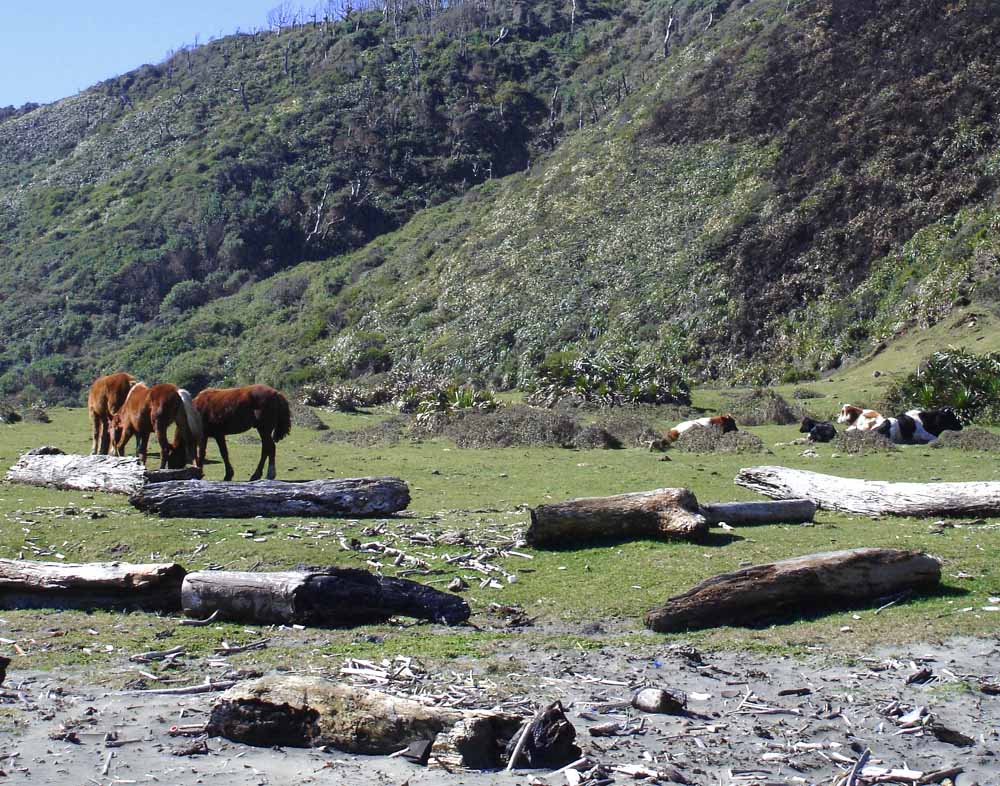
[[283, 417], [191, 428]]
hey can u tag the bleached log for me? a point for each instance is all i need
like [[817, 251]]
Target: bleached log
[[26, 584], [347, 497], [874, 497], [831, 580], [742, 514], [666, 513], [111, 474], [304, 712], [332, 597]]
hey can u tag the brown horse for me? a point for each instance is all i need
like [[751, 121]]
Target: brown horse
[[235, 410], [153, 409], [107, 395]]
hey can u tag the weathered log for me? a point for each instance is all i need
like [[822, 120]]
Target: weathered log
[[837, 579], [742, 514], [665, 513], [331, 597], [112, 474], [310, 712], [114, 585], [353, 497], [874, 497]]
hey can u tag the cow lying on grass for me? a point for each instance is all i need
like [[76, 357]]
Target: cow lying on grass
[[918, 427], [859, 419], [818, 430], [725, 422]]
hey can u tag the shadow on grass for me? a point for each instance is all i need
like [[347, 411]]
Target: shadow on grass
[[711, 540]]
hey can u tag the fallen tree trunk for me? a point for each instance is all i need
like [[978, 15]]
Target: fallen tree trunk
[[742, 514], [350, 497], [304, 712], [874, 497], [665, 513], [331, 597], [108, 585], [836, 579], [112, 474]]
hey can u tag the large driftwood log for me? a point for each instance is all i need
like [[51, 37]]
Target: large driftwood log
[[112, 474], [836, 579], [353, 497], [666, 513], [116, 585], [742, 514], [303, 712], [331, 596], [874, 497]]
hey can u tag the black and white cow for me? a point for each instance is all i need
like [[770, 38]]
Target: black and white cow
[[818, 430], [918, 427]]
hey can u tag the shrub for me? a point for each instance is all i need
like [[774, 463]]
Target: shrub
[[971, 439], [629, 427], [805, 393], [762, 407], [9, 413], [304, 417], [712, 440], [860, 443], [608, 380], [387, 432], [964, 381]]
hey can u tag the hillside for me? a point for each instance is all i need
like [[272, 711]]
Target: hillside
[[782, 186]]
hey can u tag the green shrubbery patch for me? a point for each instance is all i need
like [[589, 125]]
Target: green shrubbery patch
[[966, 382]]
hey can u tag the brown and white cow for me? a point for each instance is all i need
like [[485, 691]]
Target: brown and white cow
[[860, 419], [725, 422]]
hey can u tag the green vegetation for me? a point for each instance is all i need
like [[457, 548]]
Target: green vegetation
[[485, 494], [964, 381], [784, 188]]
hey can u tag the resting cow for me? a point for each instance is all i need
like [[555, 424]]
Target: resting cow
[[859, 419], [918, 427], [818, 430], [725, 422]]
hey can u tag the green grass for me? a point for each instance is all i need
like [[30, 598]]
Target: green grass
[[486, 491]]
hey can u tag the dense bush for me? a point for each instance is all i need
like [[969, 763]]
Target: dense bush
[[966, 382], [762, 407], [607, 380], [712, 440]]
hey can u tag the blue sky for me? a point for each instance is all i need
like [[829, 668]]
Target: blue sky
[[59, 47]]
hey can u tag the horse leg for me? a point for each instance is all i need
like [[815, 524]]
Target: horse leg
[[161, 436], [200, 450], [142, 446], [272, 449], [221, 442], [95, 432], [104, 446], [266, 450]]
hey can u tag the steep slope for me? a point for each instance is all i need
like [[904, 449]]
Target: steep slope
[[793, 183]]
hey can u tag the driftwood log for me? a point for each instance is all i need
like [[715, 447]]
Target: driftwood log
[[111, 474], [330, 597], [664, 513], [873, 497], [838, 579], [353, 497], [111, 585], [310, 712], [742, 514]]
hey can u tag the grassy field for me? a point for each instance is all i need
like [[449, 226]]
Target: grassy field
[[580, 597]]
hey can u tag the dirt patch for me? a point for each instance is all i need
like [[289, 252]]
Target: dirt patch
[[712, 440], [972, 439]]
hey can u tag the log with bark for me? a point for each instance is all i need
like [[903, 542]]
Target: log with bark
[[328, 596], [664, 513], [742, 514], [347, 497], [26, 584], [793, 587], [304, 712], [112, 474], [875, 497]]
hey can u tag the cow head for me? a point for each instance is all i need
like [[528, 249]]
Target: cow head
[[849, 413]]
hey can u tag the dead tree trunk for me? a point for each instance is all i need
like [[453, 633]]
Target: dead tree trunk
[[112, 474], [814, 582], [666, 513], [742, 514], [352, 497], [304, 712], [107, 585], [331, 597], [874, 497]]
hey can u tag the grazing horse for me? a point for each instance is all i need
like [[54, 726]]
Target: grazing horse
[[859, 419], [235, 410], [153, 409], [725, 422], [107, 395]]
